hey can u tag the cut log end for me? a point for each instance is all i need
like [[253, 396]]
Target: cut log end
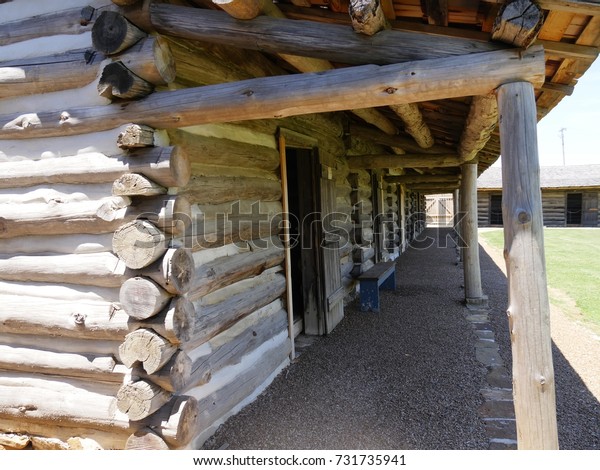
[[132, 184], [141, 399], [241, 9], [145, 439], [135, 136], [112, 33], [139, 243], [182, 421], [367, 16], [518, 23], [142, 298], [118, 82], [145, 346]]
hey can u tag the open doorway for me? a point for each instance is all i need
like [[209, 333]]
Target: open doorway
[[317, 293]]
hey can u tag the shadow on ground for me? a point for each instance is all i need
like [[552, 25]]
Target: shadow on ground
[[406, 378]]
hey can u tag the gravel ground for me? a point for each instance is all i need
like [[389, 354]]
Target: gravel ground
[[405, 378]]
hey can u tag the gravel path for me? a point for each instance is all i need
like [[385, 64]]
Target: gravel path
[[406, 378]]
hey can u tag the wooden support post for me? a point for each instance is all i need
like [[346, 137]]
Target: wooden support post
[[529, 309], [457, 220], [472, 271]]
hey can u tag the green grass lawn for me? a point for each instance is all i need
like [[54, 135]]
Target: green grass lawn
[[573, 267]]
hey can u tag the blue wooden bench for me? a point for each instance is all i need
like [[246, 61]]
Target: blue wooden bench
[[382, 274]]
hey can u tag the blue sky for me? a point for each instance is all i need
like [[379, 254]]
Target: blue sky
[[579, 115]]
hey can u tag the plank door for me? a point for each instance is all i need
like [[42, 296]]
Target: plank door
[[590, 209], [329, 238]]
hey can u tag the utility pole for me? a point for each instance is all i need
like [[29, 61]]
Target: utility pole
[[562, 138]]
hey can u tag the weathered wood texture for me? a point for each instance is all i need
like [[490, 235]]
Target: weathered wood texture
[[167, 166], [468, 204], [332, 42], [481, 122], [518, 23], [529, 308], [298, 94]]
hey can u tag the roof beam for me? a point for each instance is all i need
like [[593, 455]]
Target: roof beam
[[416, 179], [332, 42], [414, 123], [292, 95], [581, 7], [373, 162], [239, 9], [481, 122], [569, 51]]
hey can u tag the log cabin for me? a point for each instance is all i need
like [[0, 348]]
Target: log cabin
[[569, 196], [187, 185]]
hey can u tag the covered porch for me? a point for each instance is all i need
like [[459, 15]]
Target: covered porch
[[424, 373]]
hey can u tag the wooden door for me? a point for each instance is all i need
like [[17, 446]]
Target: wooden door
[[590, 209], [333, 292]]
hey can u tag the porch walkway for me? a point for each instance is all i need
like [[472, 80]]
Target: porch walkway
[[410, 377]]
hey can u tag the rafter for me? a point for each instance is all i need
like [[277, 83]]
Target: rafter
[[372, 162], [481, 122]]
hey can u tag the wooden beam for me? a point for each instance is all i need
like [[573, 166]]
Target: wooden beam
[[558, 88], [434, 187], [367, 16], [405, 143], [518, 23], [481, 122], [71, 69], [276, 97], [307, 38], [437, 12], [414, 123], [569, 51], [528, 304], [415, 179], [580, 7], [369, 162]]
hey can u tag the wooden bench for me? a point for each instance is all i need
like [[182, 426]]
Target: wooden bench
[[382, 274]]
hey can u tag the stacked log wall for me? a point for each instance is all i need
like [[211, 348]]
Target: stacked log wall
[[483, 209], [134, 338], [362, 233]]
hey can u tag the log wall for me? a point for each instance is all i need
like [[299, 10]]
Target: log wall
[[141, 273], [554, 207]]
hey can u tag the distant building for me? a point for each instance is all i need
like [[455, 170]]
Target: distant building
[[569, 196]]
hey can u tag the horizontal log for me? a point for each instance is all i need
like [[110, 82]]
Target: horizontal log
[[269, 97], [404, 161], [60, 244], [73, 292], [22, 408], [65, 71], [225, 152], [411, 179], [381, 138], [225, 271], [218, 190], [39, 361], [168, 166], [231, 346], [308, 38], [254, 293], [84, 319], [234, 385], [94, 269], [102, 216], [58, 193]]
